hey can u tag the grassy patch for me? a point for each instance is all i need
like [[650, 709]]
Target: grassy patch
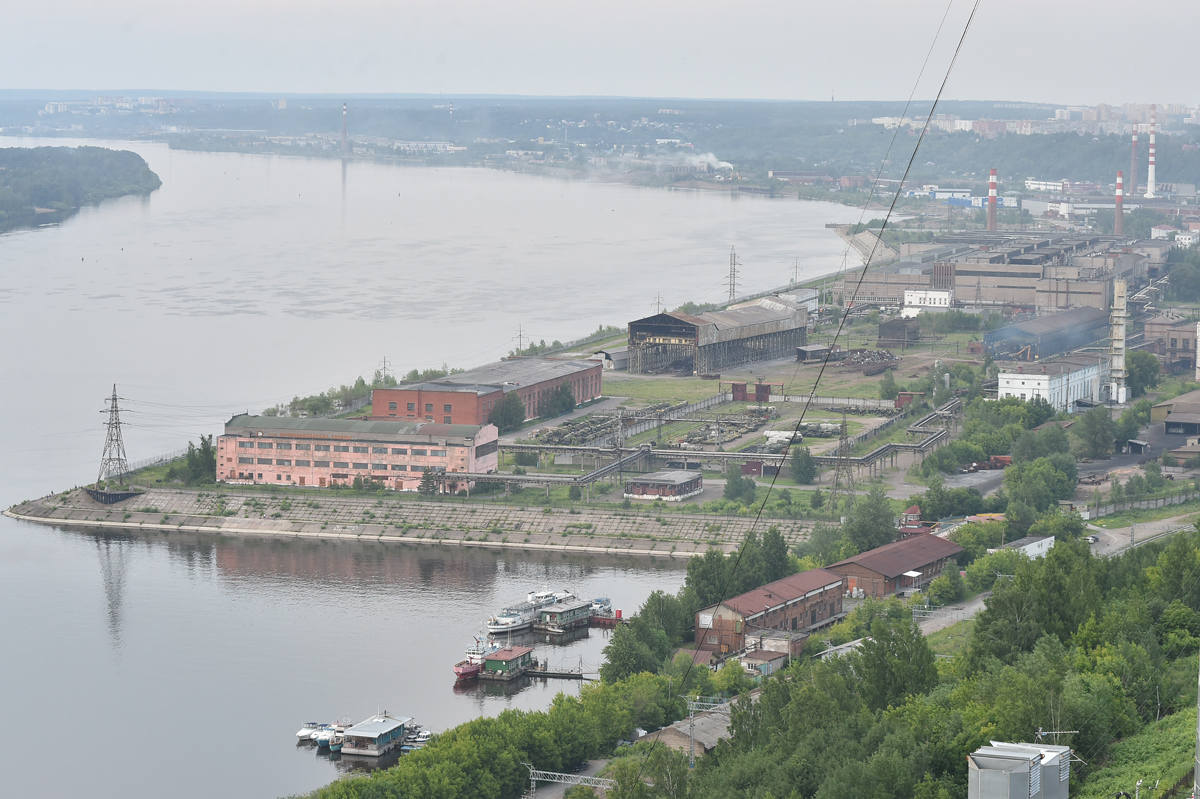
[[1162, 752]]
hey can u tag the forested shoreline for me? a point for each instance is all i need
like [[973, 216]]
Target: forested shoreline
[[62, 179]]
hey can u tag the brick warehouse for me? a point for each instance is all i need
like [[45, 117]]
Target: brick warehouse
[[910, 563], [798, 603], [469, 397], [326, 452]]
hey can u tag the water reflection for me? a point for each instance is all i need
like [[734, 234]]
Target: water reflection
[[114, 563]]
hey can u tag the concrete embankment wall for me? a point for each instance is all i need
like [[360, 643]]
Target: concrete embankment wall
[[591, 530]]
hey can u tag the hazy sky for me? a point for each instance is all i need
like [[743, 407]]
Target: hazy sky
[[1064, 51]]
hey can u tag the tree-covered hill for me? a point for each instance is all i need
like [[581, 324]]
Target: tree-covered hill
[[63, 178]]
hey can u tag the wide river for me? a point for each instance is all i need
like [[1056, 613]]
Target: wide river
[[181, 665]]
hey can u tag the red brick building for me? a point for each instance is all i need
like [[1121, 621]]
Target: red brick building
[[911, 563], [799, 603], [469, 397]]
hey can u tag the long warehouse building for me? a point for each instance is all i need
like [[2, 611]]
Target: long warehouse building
[[704, 344]]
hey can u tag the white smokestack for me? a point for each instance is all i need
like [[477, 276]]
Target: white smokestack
[[1150, 195]]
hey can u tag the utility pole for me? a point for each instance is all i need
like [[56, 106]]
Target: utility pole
[[843, 475], [796, 270], [658, 303], [733, 274], [113, 462], [520, 337]]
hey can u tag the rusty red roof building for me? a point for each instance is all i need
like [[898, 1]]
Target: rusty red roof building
[[798, 604], [909, 563]]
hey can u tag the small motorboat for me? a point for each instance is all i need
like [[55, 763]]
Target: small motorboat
[[324, 736], [423, 736], [335, 743], [306, 732]]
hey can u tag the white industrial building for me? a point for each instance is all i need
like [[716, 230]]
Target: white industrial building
[[1062, 382], [929, 300]]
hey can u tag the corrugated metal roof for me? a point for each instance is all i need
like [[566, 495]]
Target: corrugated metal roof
[[519, 371], [509, 653], [780, 592], [1055, 322], [667, 477], [893, 560], [374, 727], [360, 427]]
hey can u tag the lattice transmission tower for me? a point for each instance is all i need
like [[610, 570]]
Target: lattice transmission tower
[[113, 462], [843, 473], [733, 274]]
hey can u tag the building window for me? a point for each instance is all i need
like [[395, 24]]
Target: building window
[[391, 406], [340, 448], [341, 465], [399, 467], [283, 461], [321, 447], [379, 467], [266, 461], [416, 468], [438, 453], [246, 444], [260, 475], [302, 463], [245, 460], [379, 450], [1174, 343], [362, 449], [399, 450], [283, 446], [265, 445], [446, 409], [304, 447], [321, 464], [362, 466], [278, 477], [429, 407], [412, 406], [446, 420], [420, 452]]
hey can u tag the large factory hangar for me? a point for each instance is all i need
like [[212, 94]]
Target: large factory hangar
[[1048, 335], [704, 344]]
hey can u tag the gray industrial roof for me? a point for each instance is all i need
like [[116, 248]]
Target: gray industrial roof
[[517, 372], [376, 726], [447, 385], [1055, 322], [286, 424], [669, 477]]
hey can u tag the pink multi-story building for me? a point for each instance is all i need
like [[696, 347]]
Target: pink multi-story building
[[325, 452]]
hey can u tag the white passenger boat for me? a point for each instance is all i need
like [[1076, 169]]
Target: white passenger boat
[[522, 615], [306, 732]]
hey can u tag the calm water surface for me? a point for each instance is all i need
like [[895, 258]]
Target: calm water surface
[[145, 665]]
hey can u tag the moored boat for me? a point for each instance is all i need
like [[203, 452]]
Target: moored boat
[[521, 615], [469, 668], [335, 743], [307, 730]]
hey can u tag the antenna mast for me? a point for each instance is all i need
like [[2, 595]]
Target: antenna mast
[[113, 462]]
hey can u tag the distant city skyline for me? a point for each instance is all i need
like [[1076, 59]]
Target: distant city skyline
[[1067, 53]]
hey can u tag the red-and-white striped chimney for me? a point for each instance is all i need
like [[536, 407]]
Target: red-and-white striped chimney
[[991, 216], [1150, 170], [1119, 219]]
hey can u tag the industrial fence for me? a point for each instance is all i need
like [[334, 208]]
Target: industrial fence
[[1093, 512], [838, 402], [157, 460]]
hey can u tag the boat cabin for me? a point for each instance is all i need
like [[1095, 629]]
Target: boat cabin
[[375, 736], [510, 661], [565, 615]]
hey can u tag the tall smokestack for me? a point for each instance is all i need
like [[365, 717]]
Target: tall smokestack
[[1150, 195], [1133, 156], [1119, 219], [992, 202], [345, 141]]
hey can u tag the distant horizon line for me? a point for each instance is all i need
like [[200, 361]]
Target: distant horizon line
[[32, 94]]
